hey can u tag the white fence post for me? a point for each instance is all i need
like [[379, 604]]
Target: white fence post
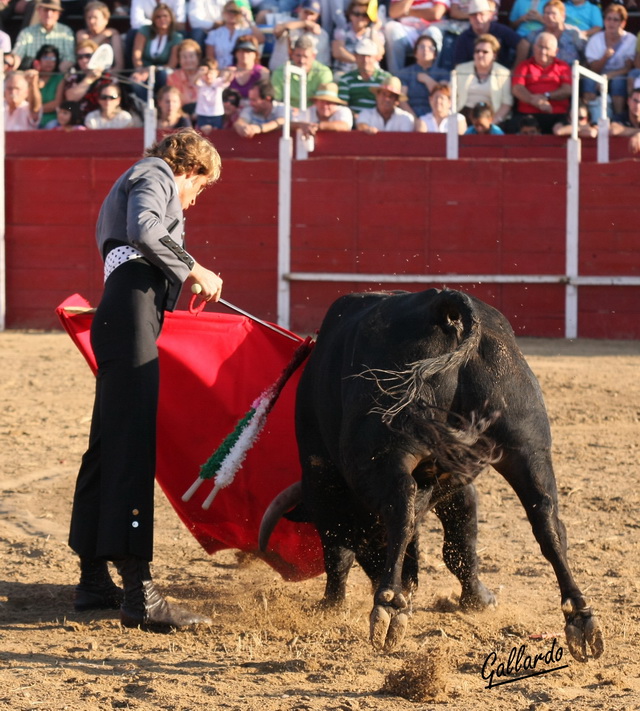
[[150, 116]]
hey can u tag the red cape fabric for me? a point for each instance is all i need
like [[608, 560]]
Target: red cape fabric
[[212, 368]]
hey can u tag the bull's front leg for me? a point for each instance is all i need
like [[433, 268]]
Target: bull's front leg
[[395, 494], [536, 489]]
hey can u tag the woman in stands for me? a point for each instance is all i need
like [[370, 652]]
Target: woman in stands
[[221, 41], [47, 62], [83, 84], [110, 114], [156, 45], [170, 113], [484, 81], [185, 77], [346, 38], [96, 18], [438, 120], [248, 71]]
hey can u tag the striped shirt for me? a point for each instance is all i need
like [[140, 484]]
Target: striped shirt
[[32, 38], [356, 91]]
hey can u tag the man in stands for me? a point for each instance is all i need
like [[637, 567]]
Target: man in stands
[[631, 125], [303, 56], [22, 101], [483, 22], [262, 115], [47, 31], [328, 113], [387, 115], [542, 84], [355, 86]]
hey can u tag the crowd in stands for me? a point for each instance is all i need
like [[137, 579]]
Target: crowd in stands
[[219, 64]]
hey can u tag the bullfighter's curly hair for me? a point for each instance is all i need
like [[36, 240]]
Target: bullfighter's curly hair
[[186, 151]]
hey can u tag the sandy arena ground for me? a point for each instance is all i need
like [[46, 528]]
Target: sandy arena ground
[[268, 650]]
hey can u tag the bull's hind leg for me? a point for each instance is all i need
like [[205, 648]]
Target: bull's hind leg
[[533, 481], [459, 517]]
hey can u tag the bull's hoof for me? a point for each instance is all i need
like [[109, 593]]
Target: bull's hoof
[[583, 632], [478, 598], [387, 627]]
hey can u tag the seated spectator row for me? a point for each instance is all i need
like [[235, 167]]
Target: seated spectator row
[[387, 74]]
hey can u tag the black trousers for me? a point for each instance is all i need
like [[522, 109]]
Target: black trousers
[[112, 515]]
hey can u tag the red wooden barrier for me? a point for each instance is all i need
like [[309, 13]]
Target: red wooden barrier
[[390, 213]]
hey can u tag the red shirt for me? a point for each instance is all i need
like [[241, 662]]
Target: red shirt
[[539, 80]]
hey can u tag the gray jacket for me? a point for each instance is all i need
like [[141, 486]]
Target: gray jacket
[[143, 210]]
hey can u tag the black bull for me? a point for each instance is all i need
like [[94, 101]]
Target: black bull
[[405, 399]]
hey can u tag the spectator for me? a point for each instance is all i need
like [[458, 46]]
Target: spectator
[[110, 114], [170, 113], [22, 101], [611, 52], [142, 13], [156, 45], [346, 38], [68, 118], [630, 124], [220, 42], [585, 128], [387, 114], [185, 78], [570, 42], [84, 85], [485, 81], [248, 70], [303, 55], [231, 102], [47, 63], [585, 15], [528, 125], [410, 19], [328, 112], [482, 21], [354, 87], [263, 115], [203, 15], [482, 121], [438, 120], [209, 106], [525, 16], [305, 24], [419, 79], [46, 31], [542, 84], [96, 19]]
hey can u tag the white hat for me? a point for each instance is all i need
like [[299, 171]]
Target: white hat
[[476, 6], [367, 47]]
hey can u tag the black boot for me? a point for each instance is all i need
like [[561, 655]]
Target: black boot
[[96, 590], [144, 606]]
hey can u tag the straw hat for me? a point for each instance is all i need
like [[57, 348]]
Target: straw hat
[[328, 92], [391, 84]]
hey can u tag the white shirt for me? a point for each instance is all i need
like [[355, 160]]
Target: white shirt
[[400, 120], [209, 101], [141, 11], [20, 119], [432, 126], [122, 119], [343, 113], [204, 13], [596, 46]]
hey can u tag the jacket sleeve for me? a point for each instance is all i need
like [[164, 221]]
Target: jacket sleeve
[[153, 209]]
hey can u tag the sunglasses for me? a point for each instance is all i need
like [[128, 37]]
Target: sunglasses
[[482, 51], [359, 14], [108, 97], [8, 64], [583, 117], [84, 56]]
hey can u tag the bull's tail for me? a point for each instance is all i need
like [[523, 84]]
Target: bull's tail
[[455, 314]]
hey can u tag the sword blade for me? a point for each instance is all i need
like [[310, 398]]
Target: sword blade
[[256, 319]]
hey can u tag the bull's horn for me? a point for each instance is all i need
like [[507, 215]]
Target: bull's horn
[[282, 503]]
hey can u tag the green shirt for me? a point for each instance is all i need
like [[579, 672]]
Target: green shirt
[[319, 74], [32, 38], [356, 91]]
